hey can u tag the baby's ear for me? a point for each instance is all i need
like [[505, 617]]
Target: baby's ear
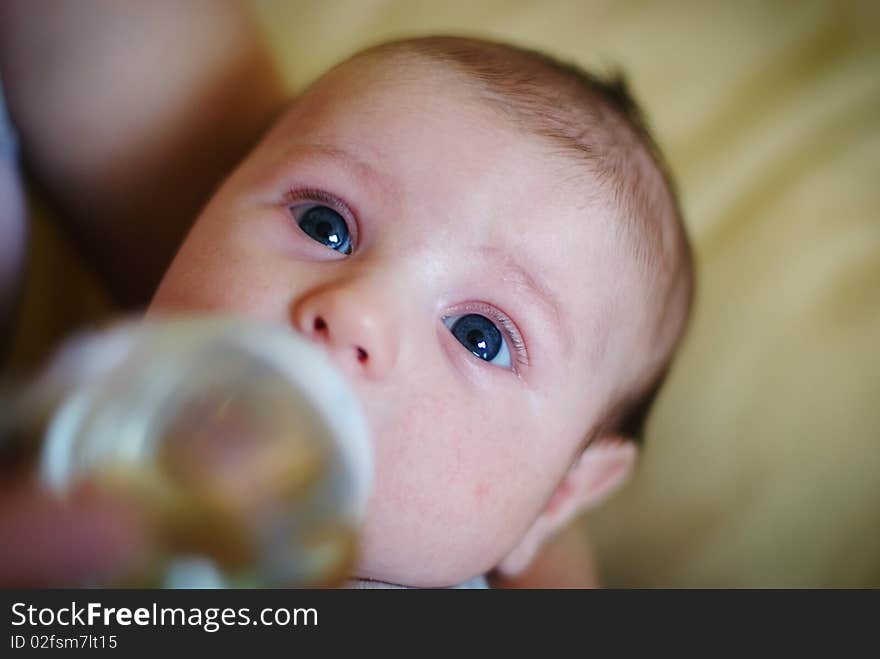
[[601, 469]]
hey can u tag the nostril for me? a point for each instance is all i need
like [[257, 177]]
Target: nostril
[[320, 325], [362, 355]]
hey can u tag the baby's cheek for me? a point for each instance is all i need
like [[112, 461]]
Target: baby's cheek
[[211, 273], [462, 465], [522, 460], [482, 490]]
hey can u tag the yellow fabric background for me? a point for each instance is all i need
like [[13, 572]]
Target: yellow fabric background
[[762, 463]]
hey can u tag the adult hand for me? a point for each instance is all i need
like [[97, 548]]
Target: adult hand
[[82, 539]]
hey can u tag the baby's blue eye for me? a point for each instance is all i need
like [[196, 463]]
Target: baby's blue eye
[[481, 337], [326, 226]]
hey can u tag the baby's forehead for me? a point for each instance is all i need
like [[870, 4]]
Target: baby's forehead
[[379, 96], [429, 144], [448, 103], [571, 137]]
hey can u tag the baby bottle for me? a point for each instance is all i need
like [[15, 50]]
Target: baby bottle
[[239, 443]]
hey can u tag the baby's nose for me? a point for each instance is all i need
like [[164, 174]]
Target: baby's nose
[[354, 327]]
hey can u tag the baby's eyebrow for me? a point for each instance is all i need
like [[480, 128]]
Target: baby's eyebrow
[[361, 168], [533, 285]]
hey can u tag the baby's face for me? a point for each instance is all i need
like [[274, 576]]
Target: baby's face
[[465, 278]]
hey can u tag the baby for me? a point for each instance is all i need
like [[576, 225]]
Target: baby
[[487, 243]]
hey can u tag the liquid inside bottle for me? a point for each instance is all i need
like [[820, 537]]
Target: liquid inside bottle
[[238, 443]]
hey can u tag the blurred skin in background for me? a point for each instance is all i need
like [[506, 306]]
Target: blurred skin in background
[[189, 97], [128, 115], [134, 111]]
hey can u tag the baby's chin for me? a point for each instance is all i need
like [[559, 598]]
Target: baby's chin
[[436, 557], [405, 572]]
